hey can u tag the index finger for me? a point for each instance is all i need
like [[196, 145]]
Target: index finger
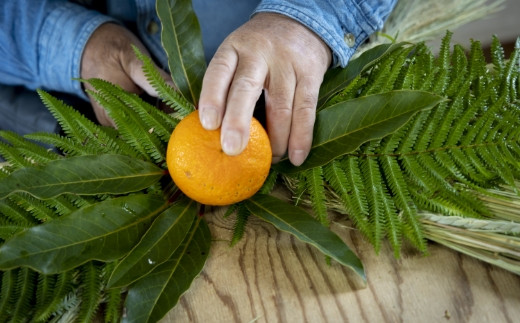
[[215, 86], [245, 90]]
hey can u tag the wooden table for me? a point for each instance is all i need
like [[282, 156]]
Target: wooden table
[[272, 277]]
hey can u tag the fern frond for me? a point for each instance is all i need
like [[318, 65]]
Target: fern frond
[[62, 286], [69, 307], [470, 141], [399, 190], [7, 293], [231, 209], [242, 215], [442, 179], [349, 92], [156, 121], [411, 132], [269, 183], [345, 180], [61, 204], [166, 92], [112, 308], [90, 291], [29, 149], [458, 72], [13, 157], [477, 68], [14, 213], [66, 145], [44, 294], [497, 56], [111, 304], [80, 129], [315, 187], [372, 178], [36, 208], [424, 71], [25, 296], [128, 122], [488, 154], [452, 114], [383, 76], [443, 63], [9, 229]]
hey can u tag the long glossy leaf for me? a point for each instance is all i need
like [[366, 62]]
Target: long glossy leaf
[[158, 244], [182, 41], [104, 231], [151, 297], [343, 127], [88, 175], [337, 78], [296, 221]]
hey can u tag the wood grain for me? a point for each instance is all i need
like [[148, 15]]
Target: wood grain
[[272, 277]]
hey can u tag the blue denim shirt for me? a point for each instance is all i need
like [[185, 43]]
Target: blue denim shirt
[[42, 41]]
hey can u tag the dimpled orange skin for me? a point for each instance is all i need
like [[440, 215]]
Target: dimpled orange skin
[[203, 172]]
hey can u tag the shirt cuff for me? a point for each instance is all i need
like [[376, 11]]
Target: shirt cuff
[[63, 37], [342, 27]]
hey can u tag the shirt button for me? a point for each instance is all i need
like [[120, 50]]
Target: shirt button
[[152, 27], [349, 39]]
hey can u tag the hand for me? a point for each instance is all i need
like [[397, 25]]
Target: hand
[[108, 55], [277, 54]]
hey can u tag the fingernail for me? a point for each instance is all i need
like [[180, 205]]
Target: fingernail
[[208, 119], [274, 160], [297, 157], [232, 143]]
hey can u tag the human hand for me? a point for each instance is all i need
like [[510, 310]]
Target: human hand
[[282, 56], [108, 55]]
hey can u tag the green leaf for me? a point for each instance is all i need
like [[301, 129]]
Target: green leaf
[[165, 91], [296, 221], [343, 127], [104, 231], [182, 41], [158, 244], [337, 79], [88, 175], [150, 298]]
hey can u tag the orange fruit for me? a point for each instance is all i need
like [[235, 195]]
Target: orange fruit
[[201, 170]]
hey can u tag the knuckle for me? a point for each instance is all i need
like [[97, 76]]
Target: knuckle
[[307, 101], [279, 105], [247, 83], [221, 64], [304, 116], [280, 113]]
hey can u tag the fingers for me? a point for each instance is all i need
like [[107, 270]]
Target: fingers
[[279, 108], [275, 53], [303, 117], [245, 90], [108, 55], [215, 86], [228, 97]]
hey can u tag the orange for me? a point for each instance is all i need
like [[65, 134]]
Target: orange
[[203, 172]]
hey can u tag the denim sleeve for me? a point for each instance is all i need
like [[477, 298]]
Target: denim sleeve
[[342, 24], [42, 41]]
